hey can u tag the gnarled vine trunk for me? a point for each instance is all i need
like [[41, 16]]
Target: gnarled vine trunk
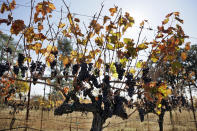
[[97, 122], [161, 116]]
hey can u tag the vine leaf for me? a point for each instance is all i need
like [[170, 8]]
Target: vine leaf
[[17, 27], [113, 10], [183, 56]]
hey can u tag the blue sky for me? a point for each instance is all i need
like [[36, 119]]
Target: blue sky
[[152, 10]]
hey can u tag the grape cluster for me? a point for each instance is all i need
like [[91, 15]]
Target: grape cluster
[[16, 70], [75, 69], [166, 104], [90, 66], [119, 100], [37, 68], [130, 82], [55, 53], [118, 105], [94, 81], [149, 106], [108, 108], [96, 73], [107, 67], [23, 70], [83, 74], [145, 78], [120, 70], [3, 68], [21, 58], [100, 99], [106, 80], [53, 73], [65, 72], [53, 64]]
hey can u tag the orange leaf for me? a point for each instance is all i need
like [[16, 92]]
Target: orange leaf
[[17, 27], [66, 90], [187, 46], [40, 27], [12, 5], [51, 6], [176, 13], [113, 10], [105, 19], [183, 56]]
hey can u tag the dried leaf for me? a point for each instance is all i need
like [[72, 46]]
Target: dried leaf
[[105, 19], [113, 10], [183, 56], [17, 27], [76, 20], [187, 46]]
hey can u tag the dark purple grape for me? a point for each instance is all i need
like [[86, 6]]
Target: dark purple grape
[[16, 70]]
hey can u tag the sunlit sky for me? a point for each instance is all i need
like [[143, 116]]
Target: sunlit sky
[[152, 10]]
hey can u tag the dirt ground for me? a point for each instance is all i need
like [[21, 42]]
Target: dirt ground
[[82, 122]]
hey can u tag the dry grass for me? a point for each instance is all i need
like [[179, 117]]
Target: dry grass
[[75, 122]]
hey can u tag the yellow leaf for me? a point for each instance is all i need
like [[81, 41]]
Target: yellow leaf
[[183, 56], [165, 21], [154, 59], [168, 92], [139, 64], [61, 25], [159, 106], [74, 53], [66, 61], [142, 46], [113, 70], [28, 59], [109, 47], [158, 112], [123, 61], [142, 24], [49, 48], [70, 18], [132, 70]]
